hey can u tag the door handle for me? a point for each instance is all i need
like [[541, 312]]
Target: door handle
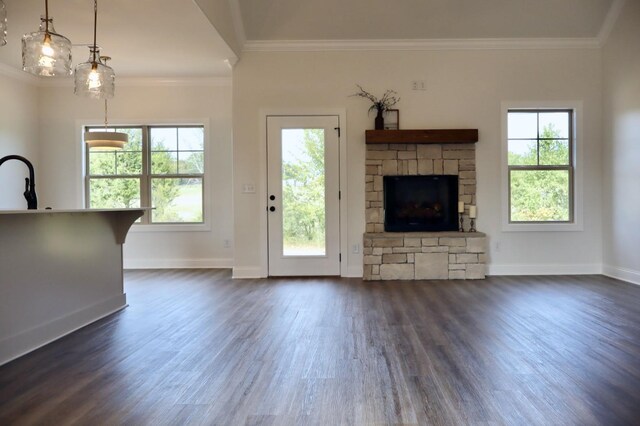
[[272, 209]]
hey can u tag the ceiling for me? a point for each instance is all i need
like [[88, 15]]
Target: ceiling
[[157, 38], [175, 38], [421, 19]]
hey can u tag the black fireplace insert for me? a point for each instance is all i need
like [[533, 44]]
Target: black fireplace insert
[[421, 203]]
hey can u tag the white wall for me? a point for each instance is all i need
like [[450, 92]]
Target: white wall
[[621, 149], [464, 90], [144, 103], [18, 135]]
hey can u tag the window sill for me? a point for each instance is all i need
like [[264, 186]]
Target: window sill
[[191, 227], [542, 227]]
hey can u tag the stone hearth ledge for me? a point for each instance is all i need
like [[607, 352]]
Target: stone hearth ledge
[[424, 255]]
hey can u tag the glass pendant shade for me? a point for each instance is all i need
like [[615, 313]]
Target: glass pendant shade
[[3, 23], [106, 141], [94, 79], [46, 53]]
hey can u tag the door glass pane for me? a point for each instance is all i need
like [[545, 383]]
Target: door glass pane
[[303, 192]]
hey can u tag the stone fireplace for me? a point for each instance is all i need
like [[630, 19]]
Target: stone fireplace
[[420, 255]]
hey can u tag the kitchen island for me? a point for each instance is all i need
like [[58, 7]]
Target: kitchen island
[[59, 271]]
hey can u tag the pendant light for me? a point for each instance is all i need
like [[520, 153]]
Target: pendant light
[[3, 24], [45, 52], [105, 140], [94, 78]]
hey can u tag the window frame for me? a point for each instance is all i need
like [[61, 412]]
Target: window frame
[[574, 168], [146, 176]]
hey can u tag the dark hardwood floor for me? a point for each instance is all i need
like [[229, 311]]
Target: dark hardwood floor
[[196, 347]]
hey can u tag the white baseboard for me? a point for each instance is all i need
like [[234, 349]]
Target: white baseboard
[[177, 263], [248, 272], [257, 272], [551, 269], [20, 344], [624, 274], [353, 271]]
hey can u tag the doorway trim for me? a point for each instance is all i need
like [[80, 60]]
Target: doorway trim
[[341, 113]]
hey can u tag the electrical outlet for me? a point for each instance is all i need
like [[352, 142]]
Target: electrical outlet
[[497, 246], [226, 243], [418, 85], [248, 188], [355, 249]]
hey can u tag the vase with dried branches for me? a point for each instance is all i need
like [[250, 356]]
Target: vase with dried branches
[[386, 102]]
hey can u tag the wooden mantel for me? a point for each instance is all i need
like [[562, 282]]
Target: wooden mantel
[[442, 136]]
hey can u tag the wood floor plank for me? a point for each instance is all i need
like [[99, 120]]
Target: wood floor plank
[[196, 347]]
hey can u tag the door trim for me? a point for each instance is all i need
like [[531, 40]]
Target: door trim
[[341, 113]]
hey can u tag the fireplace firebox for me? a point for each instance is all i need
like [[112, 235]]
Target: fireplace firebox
[[420, 203]]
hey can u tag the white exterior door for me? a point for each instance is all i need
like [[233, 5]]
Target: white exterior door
[[303, 205]]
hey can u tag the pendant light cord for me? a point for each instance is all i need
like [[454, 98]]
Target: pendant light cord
[[106, 125], [95, 29], [46, 16]]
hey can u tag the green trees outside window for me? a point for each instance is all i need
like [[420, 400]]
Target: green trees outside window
[[303, 192], [160, 167], [540, 161]]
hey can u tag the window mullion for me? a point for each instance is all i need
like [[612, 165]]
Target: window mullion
[[177, 150], [87, 170], [543, 167], [145, 197], [538, 138]]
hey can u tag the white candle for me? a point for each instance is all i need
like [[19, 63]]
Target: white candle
[[472, 212], [460, 206]]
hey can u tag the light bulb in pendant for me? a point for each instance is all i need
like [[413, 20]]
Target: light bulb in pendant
[[93, 81], [47, 50], [46, 58]]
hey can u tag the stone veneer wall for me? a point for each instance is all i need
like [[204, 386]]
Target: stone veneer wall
[[444, 255], [424, 256], [417, 159]]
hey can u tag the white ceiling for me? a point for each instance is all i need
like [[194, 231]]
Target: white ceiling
[[157, 38], [174, 38], [421, 19]]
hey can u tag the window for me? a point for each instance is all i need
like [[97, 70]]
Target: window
[[161, 167], [540, 163]]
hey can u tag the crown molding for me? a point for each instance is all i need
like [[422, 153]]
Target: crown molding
[[422, 44], [231, 62], [149, 82], [22, 76], [179, 81], [610, 21]]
